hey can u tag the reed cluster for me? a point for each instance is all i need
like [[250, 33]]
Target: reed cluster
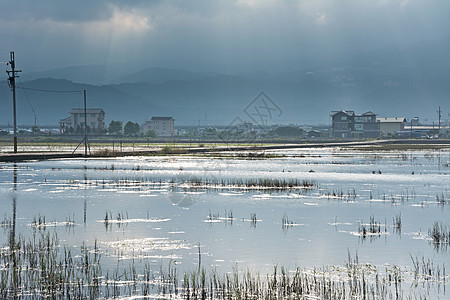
[[371, 229], [39, 267], [440, 235], [250, 183]]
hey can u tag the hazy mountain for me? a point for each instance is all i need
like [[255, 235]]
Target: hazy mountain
[[89, 74], [50, 107], [406, 83], [160, 75]]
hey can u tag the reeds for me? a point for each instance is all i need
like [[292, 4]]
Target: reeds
[[373, 228], [194, 182], [39, 267], [442, 199], [286, 223], [350, 195], [253, 220], [355, 280], [439, 235], [250, 183], [397, 223], [425, 270]]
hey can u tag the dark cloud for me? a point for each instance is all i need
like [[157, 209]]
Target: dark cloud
[[224, 34]]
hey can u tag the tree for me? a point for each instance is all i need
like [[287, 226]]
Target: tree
[[115, 127], [289, 131], [151, 133], [131, 128]]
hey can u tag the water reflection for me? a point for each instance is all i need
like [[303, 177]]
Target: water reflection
[[182, 199], [84, 195]]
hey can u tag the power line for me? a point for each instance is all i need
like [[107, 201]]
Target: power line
[[32, 108], [48, 91]]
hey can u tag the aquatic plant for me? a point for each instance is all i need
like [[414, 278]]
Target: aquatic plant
[[371, 229], [286, 223], [253, 220], [442, 199], [39, 267], [439, 235], [351, 194], [425, 270], [397, 223]]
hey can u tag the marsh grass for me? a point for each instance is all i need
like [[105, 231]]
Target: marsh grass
[[442, 199], [39, 267], [194, 182], [425, 270], [373, 228], [253, 220], [250, 183], [286, 223], [397, 224], [167, 150], [350, 195], [6, 222], [108, 220], [440, 235]]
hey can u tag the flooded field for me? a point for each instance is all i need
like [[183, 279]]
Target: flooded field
[[313, 213]]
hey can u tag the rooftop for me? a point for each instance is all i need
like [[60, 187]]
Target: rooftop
[[162, 118], [88, 110], [392, 120]]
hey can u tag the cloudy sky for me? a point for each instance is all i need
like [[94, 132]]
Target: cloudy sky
[[221, 35]]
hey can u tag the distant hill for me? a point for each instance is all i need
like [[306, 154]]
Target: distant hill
[[50, 107], [389, 83], [161, 75]]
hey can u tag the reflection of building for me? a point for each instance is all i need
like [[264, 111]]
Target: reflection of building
[[74, 124], [162, 126], [389, 126], [346, 124]]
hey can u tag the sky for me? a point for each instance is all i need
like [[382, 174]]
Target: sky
[[222, 35]]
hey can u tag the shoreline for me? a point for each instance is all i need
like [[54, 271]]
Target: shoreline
[[182, 148]]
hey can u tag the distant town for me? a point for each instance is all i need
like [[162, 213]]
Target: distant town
[[344, 125]]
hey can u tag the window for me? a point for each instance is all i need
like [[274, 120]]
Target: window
[[343, 118], [359, 127]]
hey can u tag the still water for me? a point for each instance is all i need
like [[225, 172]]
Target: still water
[[164, 209]]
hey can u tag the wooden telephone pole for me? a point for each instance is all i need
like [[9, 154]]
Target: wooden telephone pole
[[12, 84]]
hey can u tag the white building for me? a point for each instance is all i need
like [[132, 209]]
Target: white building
[[75, 124], [391, 125], [162, 126]]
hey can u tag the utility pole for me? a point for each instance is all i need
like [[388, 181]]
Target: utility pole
[[85, 125], [439, 116], [12, 84]]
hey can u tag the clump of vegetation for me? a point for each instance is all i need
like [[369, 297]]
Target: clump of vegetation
[[253, 220], [103, 153], [166, 150], [286, 223], [426, 270], [371, 229], [350, 195], [397, 223], [442, 199], [6, 222], [39, 267], [439, 235]]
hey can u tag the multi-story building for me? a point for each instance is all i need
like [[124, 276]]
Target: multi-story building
[[75, 124], [346, 124], [162, 126]]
